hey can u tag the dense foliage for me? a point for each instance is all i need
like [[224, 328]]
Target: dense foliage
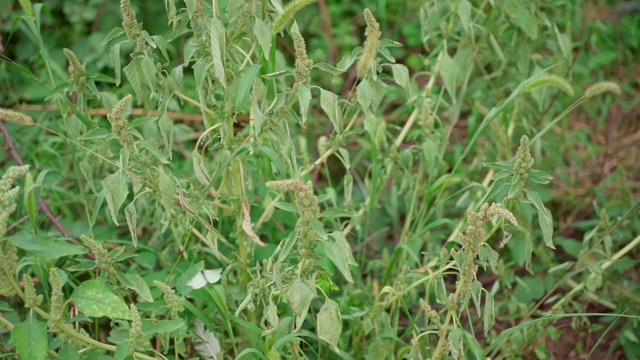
[[363, 180]]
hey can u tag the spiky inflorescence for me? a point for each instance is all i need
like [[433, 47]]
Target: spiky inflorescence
[[173, 301], [520, 169], [289, 11], [472, 239], [119, 125], [130, 25], [371, 43], [77, 73], [57, 298], [103, 260], [302, 72], [135, 332], [15, 117], [8, 264], [31, 298], [9, 194]]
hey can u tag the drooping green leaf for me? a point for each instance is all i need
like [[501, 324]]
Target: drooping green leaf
[[300, 296], [30, 338], [258, 116], [116, 191], [134, 73], [339, 258], [329, 104], [94, 299], [114, 54], [131, 215], [328, 68], [487, 255], [165, 124], [329, 322], [304, 97], [488, 318], [136, 283], [544, 218], [401, 76], [149, 71], [217, 48], [262, 32]]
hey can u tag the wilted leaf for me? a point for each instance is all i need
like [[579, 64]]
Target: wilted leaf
[[300, 296]]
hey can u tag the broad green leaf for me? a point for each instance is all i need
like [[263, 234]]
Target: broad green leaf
[[165, 124], [30, 338], [401, 76], [364, 94], [68, 352], [136, 283], [217, 50], [244, 88], [262, 32], [341, 241], [329, 104], [94, 299], [5, 307], [299, 296], [116, 191], [330, 322], [339, 258], [135, 75], [45, 247], [122, 350], [544, 218], [131, 215], [162, 326], [304, 97]]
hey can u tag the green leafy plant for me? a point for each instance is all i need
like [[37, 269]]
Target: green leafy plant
[[389, 219]]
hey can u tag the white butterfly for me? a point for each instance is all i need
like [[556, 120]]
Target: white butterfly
[[204, 277]]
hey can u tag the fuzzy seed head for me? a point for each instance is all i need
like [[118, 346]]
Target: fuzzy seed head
[[15, 117], [371, 44]]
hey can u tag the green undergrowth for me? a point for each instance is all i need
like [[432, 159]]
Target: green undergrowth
[[224, 180]]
